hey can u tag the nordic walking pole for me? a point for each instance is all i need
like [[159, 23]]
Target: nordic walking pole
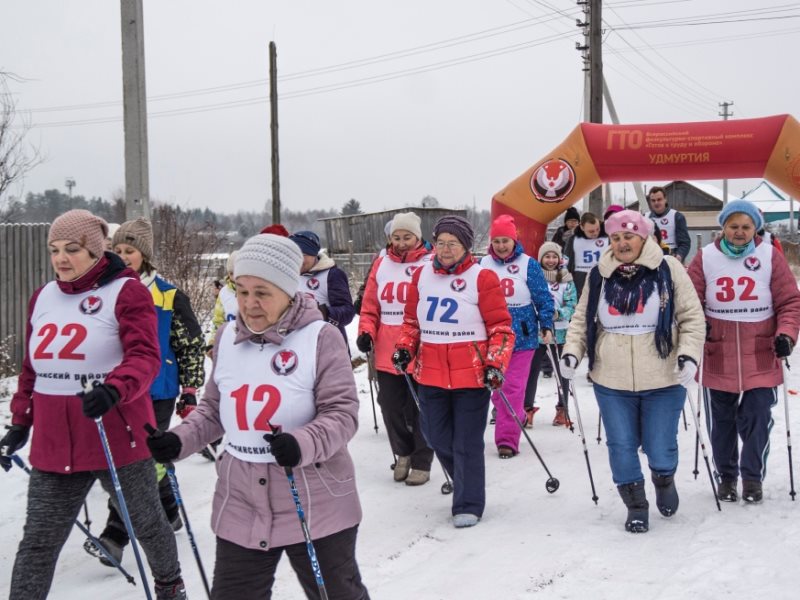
[[123, 507], [562, 393], [552, 484], [447, 486], [700, 433], [785, 368], [685, 424], [599, 425], [696, 472], [21, 464], [583, 442], [173, 482], [371, 376], [312, 553]]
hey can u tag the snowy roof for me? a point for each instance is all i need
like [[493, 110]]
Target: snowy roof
[[768, 199]]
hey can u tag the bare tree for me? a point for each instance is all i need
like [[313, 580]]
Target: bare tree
[[16, 157], [184, 255]]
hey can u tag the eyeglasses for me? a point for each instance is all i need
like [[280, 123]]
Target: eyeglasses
[[448, 245]]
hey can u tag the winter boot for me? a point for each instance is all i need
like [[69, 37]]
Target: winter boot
[[529, 413], [418, 477], [635, 498], [170, 503], [666, 494], [173, 590], [465, 520], [113, 548], [560, 419], [752, 492], [727, 490], [402, 467], [505, 452]]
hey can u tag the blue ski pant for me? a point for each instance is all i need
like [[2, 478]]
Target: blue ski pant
[[728, 418], [453, 422]]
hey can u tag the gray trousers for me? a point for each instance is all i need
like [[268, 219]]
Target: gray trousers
[[54, 501]]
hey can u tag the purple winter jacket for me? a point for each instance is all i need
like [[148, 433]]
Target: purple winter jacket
[[253, 505]]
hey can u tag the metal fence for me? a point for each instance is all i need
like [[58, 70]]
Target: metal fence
[[24, 267]]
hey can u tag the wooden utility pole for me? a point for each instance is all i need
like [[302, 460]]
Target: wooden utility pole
[[134, 98], [596, 86], [273, 128]]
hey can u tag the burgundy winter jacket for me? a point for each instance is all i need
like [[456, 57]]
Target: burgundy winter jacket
[[460, 364], [741, 356], [64, 440], [253, 505]]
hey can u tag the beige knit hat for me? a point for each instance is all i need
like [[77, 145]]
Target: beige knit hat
[[137, 233], [409, 222], [549, 247], [82, 227]]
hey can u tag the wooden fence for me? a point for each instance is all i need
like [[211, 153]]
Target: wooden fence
[[24, 267]]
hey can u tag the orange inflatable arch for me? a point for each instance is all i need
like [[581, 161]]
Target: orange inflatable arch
[[594, 154]]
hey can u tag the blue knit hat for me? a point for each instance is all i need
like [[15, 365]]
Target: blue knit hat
[[307, 241], [744, 207]]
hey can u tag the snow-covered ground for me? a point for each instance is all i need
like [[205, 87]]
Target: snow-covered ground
[[529, 543]]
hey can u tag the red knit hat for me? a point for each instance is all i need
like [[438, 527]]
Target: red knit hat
[[503, 226], [83, 227], [276, 229]]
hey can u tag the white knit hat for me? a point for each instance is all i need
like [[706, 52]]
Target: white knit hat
[[409, 222], [272, 258], [230, 261]]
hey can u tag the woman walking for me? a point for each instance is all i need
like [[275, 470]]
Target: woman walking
[[457, 326], [94, 321], [379, 324], [641, 325], [282, 391], [752, 308], [531, 308]]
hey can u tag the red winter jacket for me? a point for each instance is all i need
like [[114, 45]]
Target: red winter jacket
[[383, 336], [64, 440], [741, 356], [461, 364]]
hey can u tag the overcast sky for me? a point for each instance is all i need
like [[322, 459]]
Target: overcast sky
[[384, 102]]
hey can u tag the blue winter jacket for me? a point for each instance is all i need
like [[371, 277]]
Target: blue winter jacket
[[528, 320]]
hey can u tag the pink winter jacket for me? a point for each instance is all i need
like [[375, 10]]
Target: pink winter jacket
[[253, 505], [740, 356]]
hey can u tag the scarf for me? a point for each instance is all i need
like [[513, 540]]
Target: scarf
[[560, 275], [623, 290], [735, 251]]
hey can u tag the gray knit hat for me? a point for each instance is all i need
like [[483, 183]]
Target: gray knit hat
[[409, 222], [272, 258], [137, 233]]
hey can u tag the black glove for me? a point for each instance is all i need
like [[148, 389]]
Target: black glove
[[284, 448], [783, 346], [401, 359], [323, 308], [14, 439], [165, 446], [364, 342], [493, 378], [185, 405], [99, 400]]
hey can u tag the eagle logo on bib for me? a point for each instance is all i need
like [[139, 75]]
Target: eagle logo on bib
[[458, 285], [664, 221], [553, 180], [599, 243], [284, 362], [90, 305], [751, 263], [313, 283], [555, 286], [410, 270], [513, 268]]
